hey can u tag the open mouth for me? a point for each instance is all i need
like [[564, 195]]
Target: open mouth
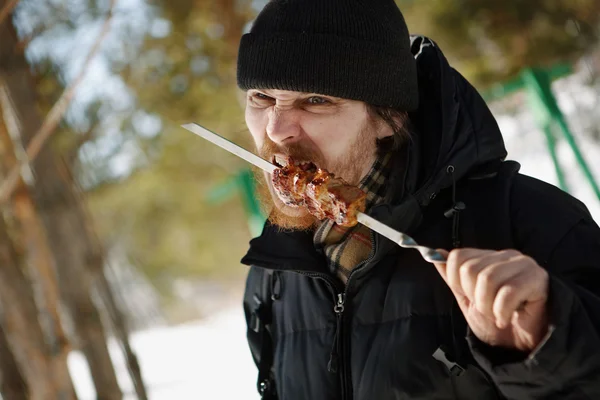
[[282, 161]]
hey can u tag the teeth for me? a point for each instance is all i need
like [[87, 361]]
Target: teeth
[[282, 161], [279, 160]]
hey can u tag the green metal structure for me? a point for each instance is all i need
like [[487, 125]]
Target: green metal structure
[[537, 83], [243, 184]]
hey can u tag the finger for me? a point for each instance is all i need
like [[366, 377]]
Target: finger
[[510, 297], [469, 271], [461, 299], [491, 279], [456, 259], [470, 268], [467, 275], [461, 255]]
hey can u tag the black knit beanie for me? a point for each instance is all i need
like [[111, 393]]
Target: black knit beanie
[[353, 49]]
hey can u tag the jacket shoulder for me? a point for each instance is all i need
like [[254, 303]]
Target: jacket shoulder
[[541, 199], [541, 215]]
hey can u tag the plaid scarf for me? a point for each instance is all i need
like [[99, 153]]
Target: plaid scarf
[[345, 247]]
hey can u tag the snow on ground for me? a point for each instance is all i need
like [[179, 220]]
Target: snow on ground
[[202, 360]]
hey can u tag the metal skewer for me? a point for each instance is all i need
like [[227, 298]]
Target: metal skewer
[[401, 239]]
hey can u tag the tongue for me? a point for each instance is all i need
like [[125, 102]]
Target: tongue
[[308, 166]]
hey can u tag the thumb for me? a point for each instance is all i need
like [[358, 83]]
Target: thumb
[[441, 267], [463, 301]]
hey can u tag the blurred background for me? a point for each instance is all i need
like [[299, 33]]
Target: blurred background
[[121, 233]]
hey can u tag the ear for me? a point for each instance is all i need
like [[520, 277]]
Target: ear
[[400, 120], [384, 129]]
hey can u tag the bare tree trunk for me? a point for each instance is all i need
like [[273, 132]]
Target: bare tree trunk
[[115, 314], [41, 268], [54, 361], [122, 333], [12, 384], [43, 273], [63, 220], [20, 322], [72, 233]]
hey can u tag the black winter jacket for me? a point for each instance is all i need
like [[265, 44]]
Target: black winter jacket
[[375, 337]]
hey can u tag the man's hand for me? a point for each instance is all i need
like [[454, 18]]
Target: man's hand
[[502, 295]]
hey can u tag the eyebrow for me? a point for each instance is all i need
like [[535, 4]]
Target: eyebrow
[[302, 94]]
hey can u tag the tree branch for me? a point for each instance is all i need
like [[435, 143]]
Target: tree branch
[[54, 116], [7, 9]]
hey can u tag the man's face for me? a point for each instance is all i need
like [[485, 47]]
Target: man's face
[[338, 135]]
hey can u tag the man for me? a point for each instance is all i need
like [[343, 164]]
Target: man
[[337, 313]]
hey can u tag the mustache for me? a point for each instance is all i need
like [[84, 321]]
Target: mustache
[[298, 151]]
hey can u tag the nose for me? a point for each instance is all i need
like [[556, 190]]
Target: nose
[[283, 125]]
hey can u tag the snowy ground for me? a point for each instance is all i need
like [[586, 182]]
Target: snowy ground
[[204, 360]]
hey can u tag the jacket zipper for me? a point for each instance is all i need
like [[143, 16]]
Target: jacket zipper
[[333, 364], [343, 354], [340, 351]]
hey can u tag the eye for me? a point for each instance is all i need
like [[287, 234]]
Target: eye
[[317, 100], [262, 96], [261, 99]]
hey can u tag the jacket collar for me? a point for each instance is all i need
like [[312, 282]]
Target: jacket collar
[[281, 249]]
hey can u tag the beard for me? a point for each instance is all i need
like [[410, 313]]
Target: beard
[[351, 167]]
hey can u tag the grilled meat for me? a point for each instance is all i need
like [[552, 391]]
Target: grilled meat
[[303, 184]]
